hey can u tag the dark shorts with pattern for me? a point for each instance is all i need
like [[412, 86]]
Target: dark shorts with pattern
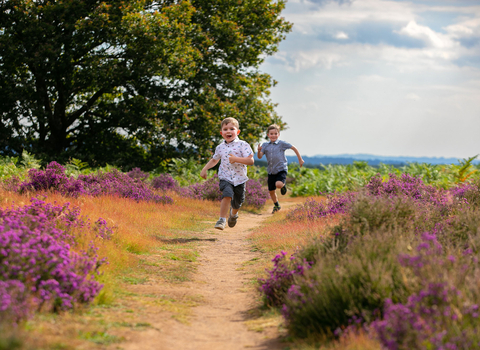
[[273, 178], [237, 193]]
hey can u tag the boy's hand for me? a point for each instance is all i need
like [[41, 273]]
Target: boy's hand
[[203, 173], [301, 162], [259, 149], [232, 158]]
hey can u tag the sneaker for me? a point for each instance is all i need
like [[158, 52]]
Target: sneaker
[[283, 190], [276, 208], [232, 219], [220, 225]]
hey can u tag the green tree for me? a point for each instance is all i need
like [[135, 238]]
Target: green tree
[[133, 82]]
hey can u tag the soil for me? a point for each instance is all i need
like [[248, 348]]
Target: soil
[[223, 295]]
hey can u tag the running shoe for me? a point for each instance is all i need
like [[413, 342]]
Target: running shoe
[[232, 219], [220, 225]]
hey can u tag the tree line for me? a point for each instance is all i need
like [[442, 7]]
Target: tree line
[[133, 82]]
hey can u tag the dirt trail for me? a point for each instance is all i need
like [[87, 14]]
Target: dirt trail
[[218, 322]]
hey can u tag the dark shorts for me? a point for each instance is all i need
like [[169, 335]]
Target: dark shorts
[[237, 193], [273, 178]]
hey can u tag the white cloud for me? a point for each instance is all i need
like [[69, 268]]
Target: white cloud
[[303, 60], [465, 29], [410, 91], [341, 35], [437, 40], [403, 59]]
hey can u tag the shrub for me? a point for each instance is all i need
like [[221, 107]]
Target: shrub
[[37, 264], [443, 313], [275, 287], [207, 190], [164, 182], [356, 275], [343, 285], [255, 195], [138, 174], [112, 182], [311, 209]]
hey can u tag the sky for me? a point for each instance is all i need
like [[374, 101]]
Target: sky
[[383, 77]]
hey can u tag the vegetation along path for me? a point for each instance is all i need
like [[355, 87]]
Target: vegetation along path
[[225, 298]]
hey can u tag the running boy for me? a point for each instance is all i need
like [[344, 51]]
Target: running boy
[[277, 162], [235, 155]]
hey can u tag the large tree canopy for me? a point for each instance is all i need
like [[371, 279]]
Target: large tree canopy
[[133, 82]]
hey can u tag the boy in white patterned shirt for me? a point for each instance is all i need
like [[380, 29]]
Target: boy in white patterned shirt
[[235, 155]]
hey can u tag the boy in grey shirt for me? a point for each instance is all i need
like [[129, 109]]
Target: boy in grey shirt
[[277, 162]]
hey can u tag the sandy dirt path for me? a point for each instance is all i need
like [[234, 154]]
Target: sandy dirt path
[[219, 320]]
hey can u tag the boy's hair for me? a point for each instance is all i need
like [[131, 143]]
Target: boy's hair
[[230, 120], [273, 126]]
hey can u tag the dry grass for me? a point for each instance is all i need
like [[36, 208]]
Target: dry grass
[[353, 341], [277, 233], [144, 252]]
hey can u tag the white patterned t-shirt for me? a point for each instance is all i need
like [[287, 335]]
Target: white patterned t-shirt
[[235, 173]]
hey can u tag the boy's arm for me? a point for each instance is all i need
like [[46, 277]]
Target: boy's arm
[[300, 159], [243, 160], [211, 163], [260, 153]]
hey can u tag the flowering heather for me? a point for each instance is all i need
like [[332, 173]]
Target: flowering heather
[[255, 195], [164, 182], [275, 287], [444, 312], [138, 174], [363, 269], [112, 183], [37, 264], [208, 190], [118, 184], [52, 178], [311, 209], [405, 186]]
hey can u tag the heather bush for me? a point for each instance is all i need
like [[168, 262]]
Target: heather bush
[[38, 266], [345, 284], [52, 178], [255, 195], [138, 174], [207, 190], [164, 182], [364, 271], [443, 313], [274, 288], [113, 182], [311, 209]]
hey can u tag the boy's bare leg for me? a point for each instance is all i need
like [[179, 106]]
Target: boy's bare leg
[[225, 206], [273, 195], [279, 184]]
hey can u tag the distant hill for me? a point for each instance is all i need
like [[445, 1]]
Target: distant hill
[[371, 159]]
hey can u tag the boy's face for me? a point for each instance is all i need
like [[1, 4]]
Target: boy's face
[[273, 135], [229, 132]]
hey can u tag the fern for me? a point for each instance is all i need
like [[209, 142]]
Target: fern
[[464, 170]]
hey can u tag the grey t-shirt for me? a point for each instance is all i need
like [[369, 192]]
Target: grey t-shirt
[[275, 153]]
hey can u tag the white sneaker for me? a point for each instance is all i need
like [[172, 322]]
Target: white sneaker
[[220, 225]]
